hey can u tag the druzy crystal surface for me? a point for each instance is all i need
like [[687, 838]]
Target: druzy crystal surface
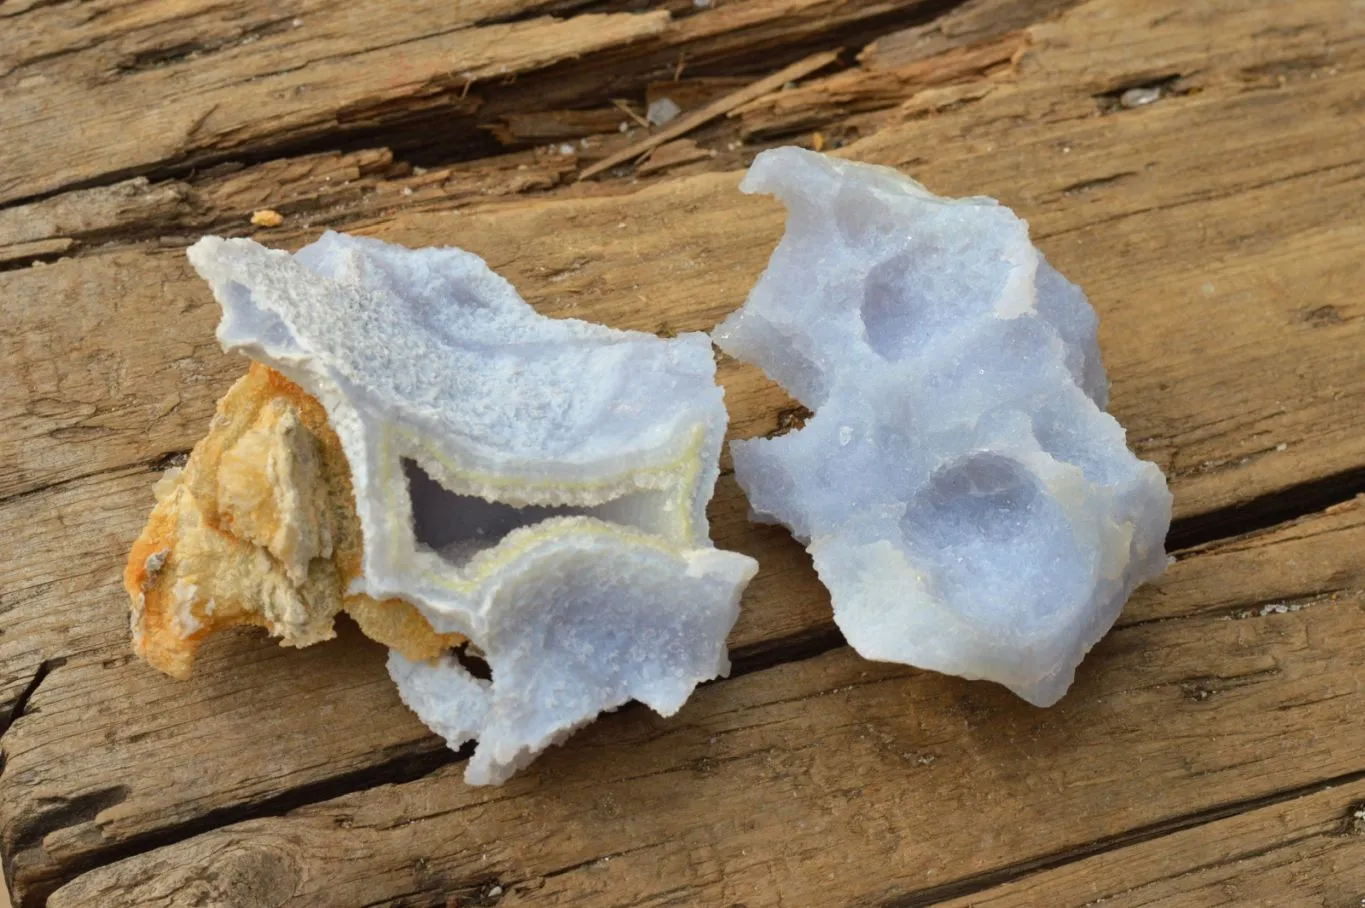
[[965, 497], [536, 486]]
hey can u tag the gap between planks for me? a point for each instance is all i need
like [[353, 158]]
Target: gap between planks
[[952, 892]]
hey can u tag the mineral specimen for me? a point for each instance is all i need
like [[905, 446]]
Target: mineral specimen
[[967, 501], [534, 486], [259, 528]]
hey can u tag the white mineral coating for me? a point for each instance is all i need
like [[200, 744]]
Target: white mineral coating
[[967, 501], [661, 111], [538, 485]]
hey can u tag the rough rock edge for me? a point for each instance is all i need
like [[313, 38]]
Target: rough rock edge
[[897, 615], [259, 529]]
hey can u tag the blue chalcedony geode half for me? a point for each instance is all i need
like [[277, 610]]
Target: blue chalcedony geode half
[[966, 499]]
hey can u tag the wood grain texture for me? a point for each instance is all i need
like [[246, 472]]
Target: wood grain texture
[[252, 76], [1309, 850], [867, 783], [964, 25], [1217, 231], [273, 82], [857, 91]]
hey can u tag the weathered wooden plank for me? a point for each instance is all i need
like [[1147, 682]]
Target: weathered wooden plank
[[326, 187], [308, 191], [102, 721], [1307, 851], [137, 346], [89, 214], [856, 91], [272, 75], [339, 66], [974, 22], [59, 575], [1197, 334], [125, 35], [866, 783], [137, 209]]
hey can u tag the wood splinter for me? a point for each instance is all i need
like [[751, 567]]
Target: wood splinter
[[717, 108]]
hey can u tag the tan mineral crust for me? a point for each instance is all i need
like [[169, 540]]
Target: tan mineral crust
[[260, 528]]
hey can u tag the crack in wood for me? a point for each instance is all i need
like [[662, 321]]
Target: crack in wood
[[424, 760], [1265, 511], [431, 137], [796, 648], [58, 813], [1199, 199], [925, 898], [158, 464], [1096, 183], [20, 705], [154, 57]]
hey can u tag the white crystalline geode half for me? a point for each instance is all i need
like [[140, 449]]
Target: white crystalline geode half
[[967, 501], [538, 485]]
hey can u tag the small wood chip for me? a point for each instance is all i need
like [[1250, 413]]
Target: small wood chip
[[674, 154], [624, 107], [266, 217]]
